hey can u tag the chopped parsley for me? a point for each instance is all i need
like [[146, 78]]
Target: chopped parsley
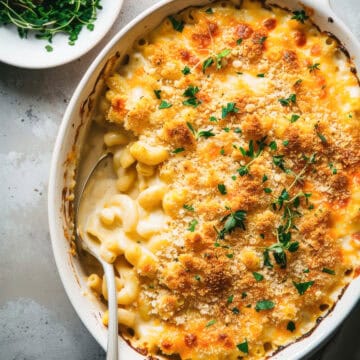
[[186, 70], [265, 178], [267, 190], [210, 323], [197, 277], [231, 222], [157, 94], [285, 142], [230, 299], [260, 75], [209, 11], [273, 145], [239, 41], [243, 295], [226, 129], [294, 117], [306, 271], [235, 310], [237, 131], [290, 326], [202, 133], [243, 347], [222, 189], [258, 277], [191, 92], [262, 39], [302, 287], [314, 67], [230, 256], [228, 109], [264, 305], [213, 119], [220, 56], [49, 48], [207, 63], [328, 271], [177, 25], [222, 151], [192, 225], [234, 177], [288, 101], [300, 15], [333, 168], [188, 207], [243, 170], [178, 150], [164, 105], [279, 161]]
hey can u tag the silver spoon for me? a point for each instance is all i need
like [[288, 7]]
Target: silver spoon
[[91, 247]]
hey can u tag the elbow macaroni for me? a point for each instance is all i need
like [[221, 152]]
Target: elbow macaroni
[[235, 139]]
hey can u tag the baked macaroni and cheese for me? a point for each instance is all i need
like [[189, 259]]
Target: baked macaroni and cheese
[[234, 220]]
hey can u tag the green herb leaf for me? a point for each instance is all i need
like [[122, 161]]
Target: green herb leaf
[[222, 189], [239, 41], [228, 109], [294, 117], [288, 101], [210, 323], [286, 142], [258, 277], [209, 11], [232, 221], [178, 150], [177, 25], [220, 56], [300, 15], [279, 161], [164, 105], [213, 119], [333, 168], [243, 295], [265, 178], [186, 70], [328, 271], [235, 310], [49, 48], [230, 299], [205, 133], [157, 93], [191, 91], [192, 225], [243, 347], [302, 287], [207, 63], [230, 256], [264, 305], [273, 145], [194, 102], [260, 75], [314, 67], [291, 326], [197, 277], [188, 207], [267, 190]]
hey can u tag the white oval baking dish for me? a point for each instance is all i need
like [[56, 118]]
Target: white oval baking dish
[[67, 149]]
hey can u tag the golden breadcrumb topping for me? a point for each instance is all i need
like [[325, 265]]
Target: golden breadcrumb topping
[[259, 114]]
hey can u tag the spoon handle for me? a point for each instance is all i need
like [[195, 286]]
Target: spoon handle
[[112, 352]]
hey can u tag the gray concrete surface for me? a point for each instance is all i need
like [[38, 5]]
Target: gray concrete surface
[[37, 321]]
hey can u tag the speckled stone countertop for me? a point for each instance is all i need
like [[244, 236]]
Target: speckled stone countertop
[[37, 321]]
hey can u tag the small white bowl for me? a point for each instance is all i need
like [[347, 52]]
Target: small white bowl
[[31, 52]]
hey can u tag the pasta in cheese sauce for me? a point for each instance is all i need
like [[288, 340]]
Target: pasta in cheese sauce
[[233, 221]]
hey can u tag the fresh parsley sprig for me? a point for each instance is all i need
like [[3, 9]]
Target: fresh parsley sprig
[[202, 133], [252, 154], [231, 222]]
